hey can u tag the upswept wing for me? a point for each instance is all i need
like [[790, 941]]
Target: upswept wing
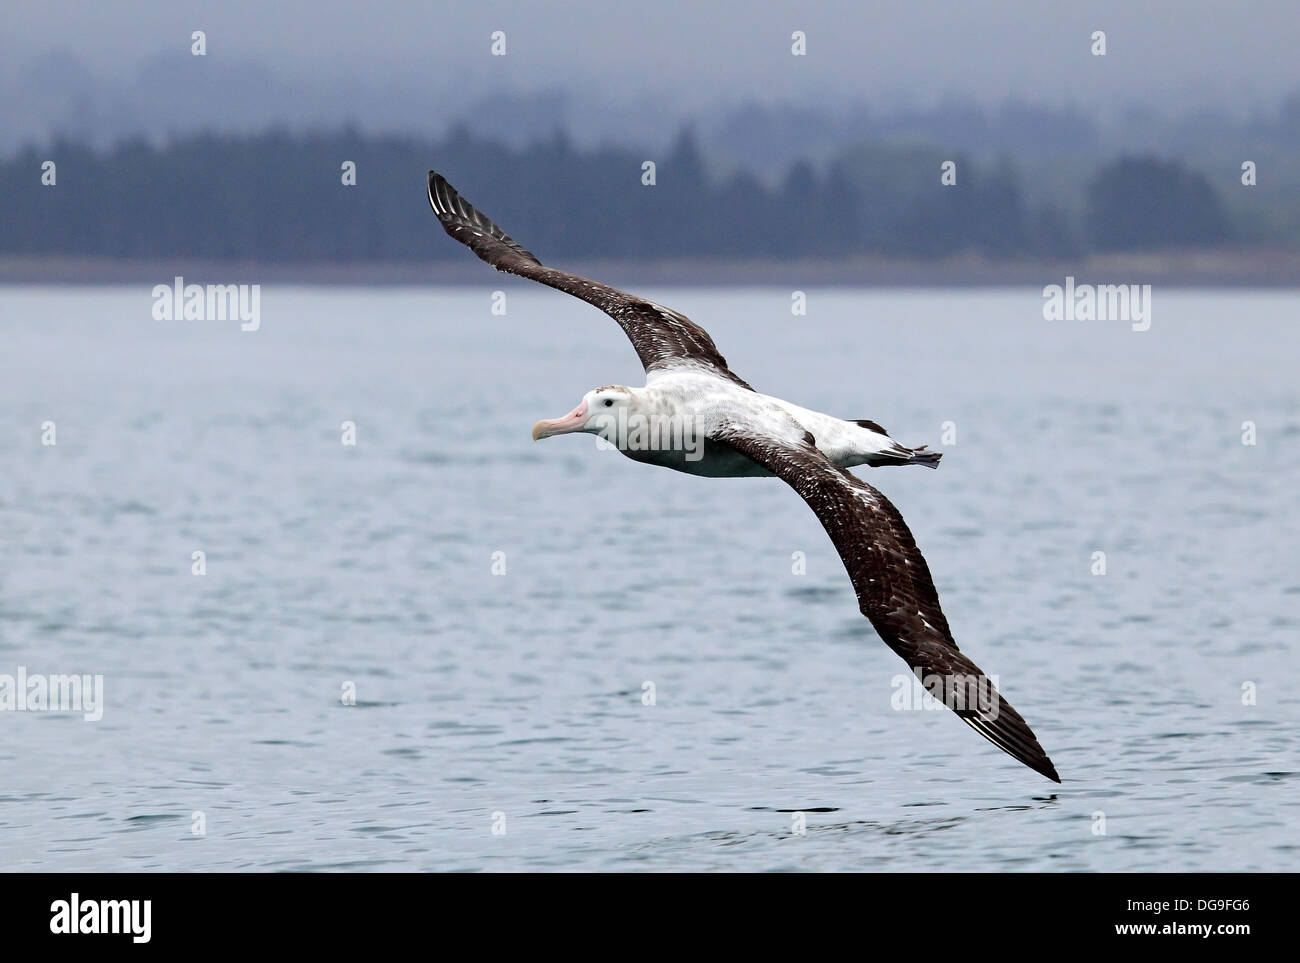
[[663, 338]]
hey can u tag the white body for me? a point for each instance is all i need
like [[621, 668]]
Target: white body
[[704, 402]]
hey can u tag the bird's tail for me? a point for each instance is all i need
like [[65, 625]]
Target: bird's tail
[[898, 455], [883, 450], [930, 459]]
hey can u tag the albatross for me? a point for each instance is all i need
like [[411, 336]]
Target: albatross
[[691, 394]]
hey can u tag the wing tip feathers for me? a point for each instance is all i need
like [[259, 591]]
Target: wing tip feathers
[[1033, 756], [436, 188]]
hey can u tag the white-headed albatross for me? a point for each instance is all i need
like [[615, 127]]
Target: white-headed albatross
[[690, 393]]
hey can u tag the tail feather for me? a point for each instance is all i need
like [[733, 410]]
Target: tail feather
[[891, 452], [898, 455]]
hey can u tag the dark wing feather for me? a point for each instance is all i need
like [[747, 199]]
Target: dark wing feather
[[663, 338], [894, 588]]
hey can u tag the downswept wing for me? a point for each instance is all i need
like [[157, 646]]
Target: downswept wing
[[894, 588], [663, 338]]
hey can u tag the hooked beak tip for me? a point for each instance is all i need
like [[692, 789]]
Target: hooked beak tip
[[573, 421]]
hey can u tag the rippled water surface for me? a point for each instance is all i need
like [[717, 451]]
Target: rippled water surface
[[522, 693]]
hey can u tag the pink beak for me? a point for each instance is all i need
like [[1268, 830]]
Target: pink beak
[[573, 421]]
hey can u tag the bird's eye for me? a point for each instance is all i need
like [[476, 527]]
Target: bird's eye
[[609, 402]]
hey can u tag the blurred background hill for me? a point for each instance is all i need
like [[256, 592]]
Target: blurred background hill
[[759, 154]]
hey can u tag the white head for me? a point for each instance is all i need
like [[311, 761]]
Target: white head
[[598, 409]]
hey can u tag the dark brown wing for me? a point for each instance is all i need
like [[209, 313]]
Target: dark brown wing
[[662, 337], [894, 589]]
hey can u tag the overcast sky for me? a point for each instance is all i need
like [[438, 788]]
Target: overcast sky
[[676, 56]]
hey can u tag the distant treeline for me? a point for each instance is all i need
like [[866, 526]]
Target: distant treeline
[[281, 197]]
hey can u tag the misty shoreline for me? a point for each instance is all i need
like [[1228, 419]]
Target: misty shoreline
[[1247, 268]]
